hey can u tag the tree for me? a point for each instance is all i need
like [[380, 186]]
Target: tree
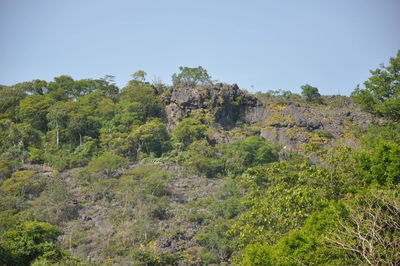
[[22, 183], [138, 78], [9, 100], [191, 77], [145, 95], [33, 110], [250, 152], [36, 86], [302, 246], [311, 93], [54, 205], [381, 95], [371, 231], [281, 196], [30, 241], [189, 130], [16, 138], [151, 137], [381, 164], [58, 118], [107, 85], [204, 159]]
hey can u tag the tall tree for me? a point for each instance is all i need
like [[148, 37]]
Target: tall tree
[[58, 118], [151, 137], [311, 93], [191, 77], [381, 95], [33, 110]]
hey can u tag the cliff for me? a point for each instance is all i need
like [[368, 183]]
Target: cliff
[[290, 123]]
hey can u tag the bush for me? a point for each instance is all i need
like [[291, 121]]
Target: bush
[[381, 95], [107, 163], [205, 159], [30, 241], [324, 134], [311, 94], [249, 152], [23, 183], [191, 77], [7, 167], [188, 131]]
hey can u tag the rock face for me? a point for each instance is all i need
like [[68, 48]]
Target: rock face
[[226, 103], [291, 123]]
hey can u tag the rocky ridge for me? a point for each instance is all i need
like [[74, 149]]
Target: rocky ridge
[[290, 123]]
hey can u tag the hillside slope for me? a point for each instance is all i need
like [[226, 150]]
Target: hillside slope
[[200, 175]]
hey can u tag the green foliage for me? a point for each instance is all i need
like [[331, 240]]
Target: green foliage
[[311, 93], [302, 246], [369, 231], [138, 78], [282, 195], [356, 231], [381, 164], [36, 86], [22, 183], [7, 167], [144, 186], [215, 240], [107, 163], [250, 152], [29, 241], [251, 209], [54, 205], [150, 255], [381, 95], [9, 101], [189, 130], [151, 137], [191, 77], [278, 96], [16, 138], [33, 110], [145, 95], [84, 152], [324, 134], [215, 161], [65, 87], [204, 159]]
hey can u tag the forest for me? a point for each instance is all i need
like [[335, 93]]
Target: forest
[[199, 172]]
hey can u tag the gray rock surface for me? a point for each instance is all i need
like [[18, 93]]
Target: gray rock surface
[[289, 124], [227, 103]]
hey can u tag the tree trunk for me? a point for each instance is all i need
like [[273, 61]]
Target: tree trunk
[[58, 137]]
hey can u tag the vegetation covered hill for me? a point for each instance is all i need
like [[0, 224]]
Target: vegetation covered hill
[[199, 173]]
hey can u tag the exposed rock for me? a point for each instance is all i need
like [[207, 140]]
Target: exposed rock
[[289, 124], [227, 104]]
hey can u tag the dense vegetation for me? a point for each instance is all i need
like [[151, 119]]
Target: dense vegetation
[[91, 174]]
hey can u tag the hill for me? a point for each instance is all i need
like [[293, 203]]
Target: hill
[[195, 173]]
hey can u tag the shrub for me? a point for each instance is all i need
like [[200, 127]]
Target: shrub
[[311, 94], [30, 241], [189, 130], [107, 163], [249, 152]]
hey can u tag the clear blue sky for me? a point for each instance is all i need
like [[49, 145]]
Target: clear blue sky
[[257, 44]]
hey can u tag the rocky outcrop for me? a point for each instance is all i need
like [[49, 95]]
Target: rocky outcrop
[[291, 123], [227, 104]]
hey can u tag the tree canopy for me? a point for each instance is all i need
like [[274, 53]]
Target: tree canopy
[[381, 92], [145, 176], [191, 77], [311, 93]]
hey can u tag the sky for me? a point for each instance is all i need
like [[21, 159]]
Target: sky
[[260, 45]]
